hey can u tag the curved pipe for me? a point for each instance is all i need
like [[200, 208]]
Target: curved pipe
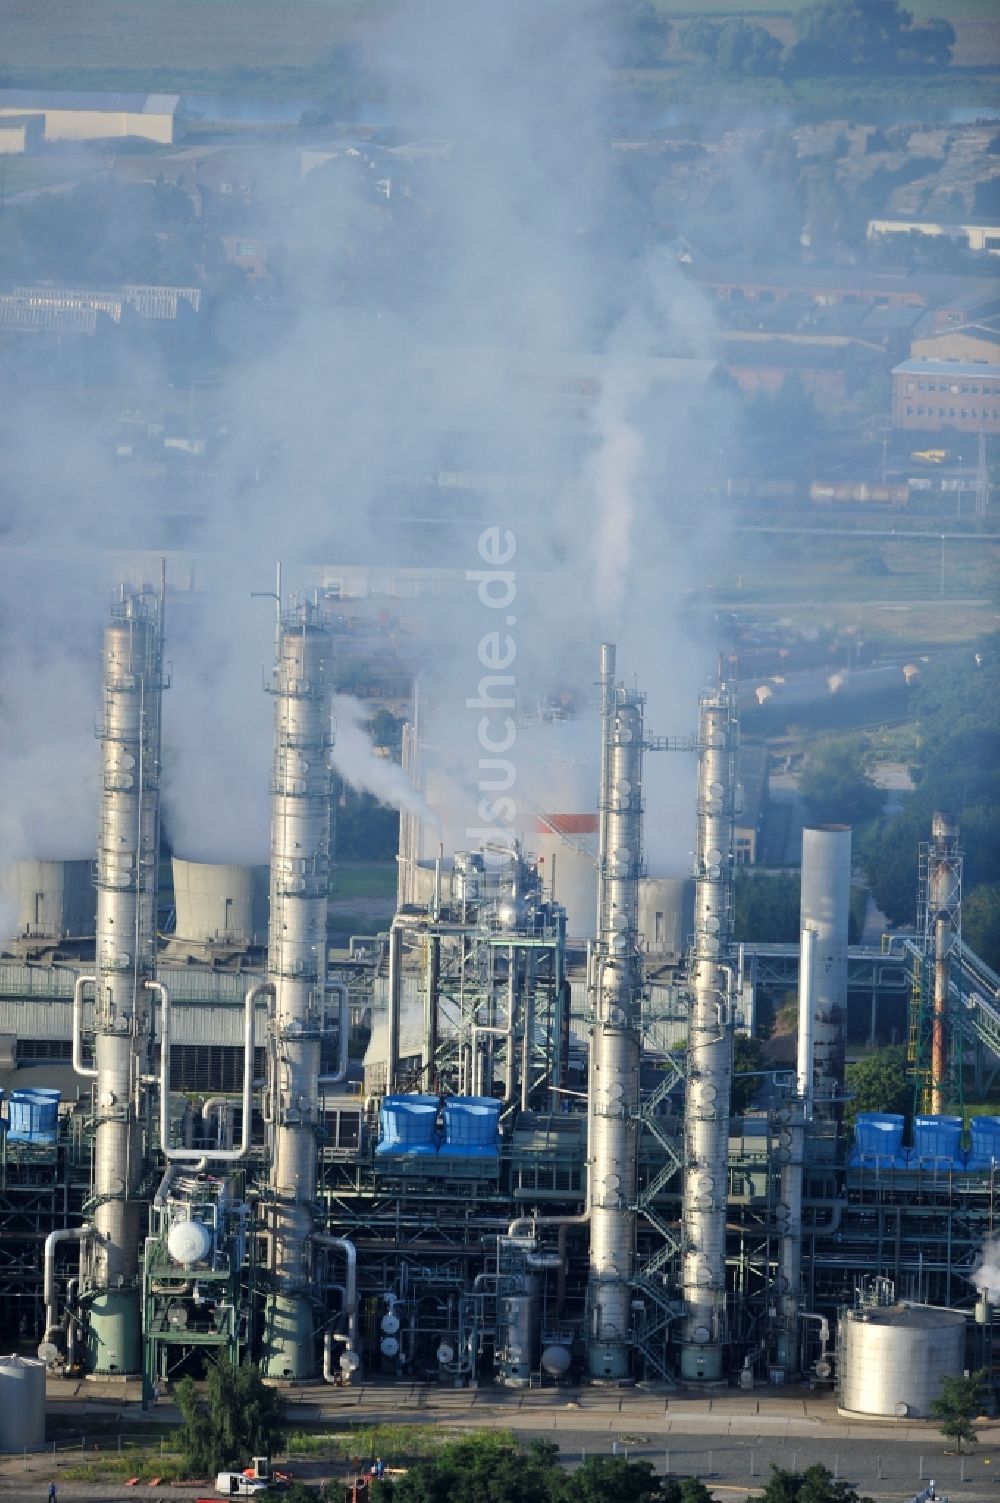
[[78, 986], [345, 1027], [346, 1246], [223, 1155], [65, 1234]]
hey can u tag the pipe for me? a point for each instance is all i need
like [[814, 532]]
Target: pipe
[[79, 1234], [392, 1030], [163, 1188], [804, 1055], [340, 1074], [200, 1155], [78, 1065], [208, 1106], [346, 1246]]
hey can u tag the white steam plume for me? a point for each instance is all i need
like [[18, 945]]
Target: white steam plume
[[986, 1274], [354, 757]]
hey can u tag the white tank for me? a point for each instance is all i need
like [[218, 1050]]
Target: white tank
[[22, 1404], [220, 904], [892, 1358], [189, 1242], [666, 914], [53, 899]]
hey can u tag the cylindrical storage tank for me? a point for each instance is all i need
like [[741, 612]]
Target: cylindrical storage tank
[[825, 908], [53, 899], [518, 1338], [22, 1404], [220, 903], [666, 914], [893, 1358]]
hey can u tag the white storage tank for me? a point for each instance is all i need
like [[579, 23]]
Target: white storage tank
[[54, 900], [22, 1404], [892, 1358], [220, 904]]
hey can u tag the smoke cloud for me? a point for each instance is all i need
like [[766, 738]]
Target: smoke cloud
[[986, 1274], [485, 342]]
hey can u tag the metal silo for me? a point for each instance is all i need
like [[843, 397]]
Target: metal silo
[[296, 967], [22, 1404], [825, 908], [892, 1358]]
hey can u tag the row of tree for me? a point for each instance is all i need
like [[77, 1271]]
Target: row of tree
[[832, 37]]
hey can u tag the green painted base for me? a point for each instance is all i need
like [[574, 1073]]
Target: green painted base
[[608, 1362], [701, 1364], [113, 1337], [288, 1349]]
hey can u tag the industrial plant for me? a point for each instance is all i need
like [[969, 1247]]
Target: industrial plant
[[534, 1174]]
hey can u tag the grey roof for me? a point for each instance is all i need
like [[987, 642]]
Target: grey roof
[[71, 99], [962, 368]]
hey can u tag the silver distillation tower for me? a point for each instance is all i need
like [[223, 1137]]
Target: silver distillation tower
[[125, 958], [616, 981], [296, 968], [710, 1045]]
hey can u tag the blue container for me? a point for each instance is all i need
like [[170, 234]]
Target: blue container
[[878, 1140], [408, 1125], [471, 1127], [985, 1150], [937, 1143], [34, 1116]]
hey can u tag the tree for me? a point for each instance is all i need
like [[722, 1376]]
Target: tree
[[641, 31], [748, 1057], [745, 48], [957, 1405], [814, 1485], [846, 36], [477, 1467], [237, 1417], [766, 907], [981, 923], [835, 784], [608, 1479], [878, 1083]]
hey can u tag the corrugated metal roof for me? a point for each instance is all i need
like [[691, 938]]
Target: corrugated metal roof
[[71, 99], [962, 368]]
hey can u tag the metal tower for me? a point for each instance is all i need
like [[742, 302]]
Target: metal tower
[[296, 967], [617, 991], [128, 847], [935, 1048], [710, 1045]]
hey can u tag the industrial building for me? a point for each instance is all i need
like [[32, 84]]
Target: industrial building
[[931, 395], [82, 116], [534, 1174]]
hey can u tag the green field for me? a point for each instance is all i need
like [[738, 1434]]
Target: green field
[[363, 879], [275, 47]]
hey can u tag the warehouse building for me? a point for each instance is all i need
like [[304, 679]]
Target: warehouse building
[[928, 395], [72, 116]]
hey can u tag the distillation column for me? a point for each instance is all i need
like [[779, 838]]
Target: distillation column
[[614, 1076], [296, 967], [127, 854], [825, 909], [710, 1045]]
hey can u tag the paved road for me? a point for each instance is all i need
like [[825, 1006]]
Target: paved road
[[730, 1440]]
